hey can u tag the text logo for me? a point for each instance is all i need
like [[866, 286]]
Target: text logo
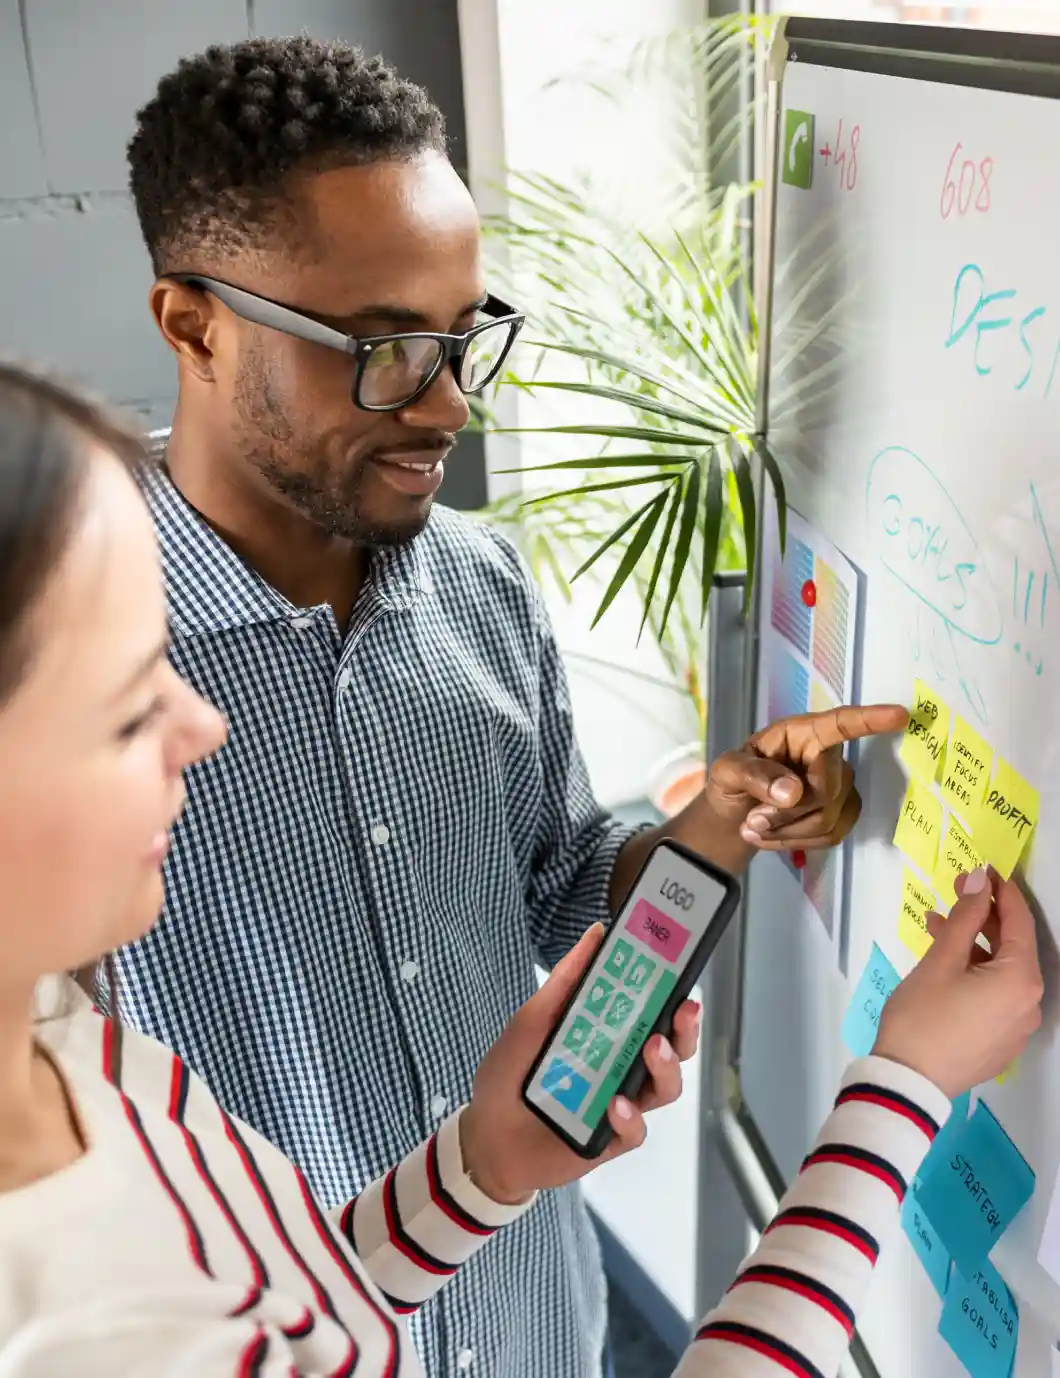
[[797, 169]]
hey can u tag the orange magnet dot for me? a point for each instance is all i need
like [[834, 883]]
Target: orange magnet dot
[[809, 593]]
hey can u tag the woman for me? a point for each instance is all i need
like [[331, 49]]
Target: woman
[[142, 1230]]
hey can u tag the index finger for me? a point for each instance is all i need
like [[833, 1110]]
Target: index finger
[[851, 722]]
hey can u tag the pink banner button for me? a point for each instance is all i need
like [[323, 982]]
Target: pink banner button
[[657, 930]]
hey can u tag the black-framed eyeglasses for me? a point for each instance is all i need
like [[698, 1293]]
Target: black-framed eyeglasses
[[392, 371]]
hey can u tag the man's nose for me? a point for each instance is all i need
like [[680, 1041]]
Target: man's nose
[[442, 407]]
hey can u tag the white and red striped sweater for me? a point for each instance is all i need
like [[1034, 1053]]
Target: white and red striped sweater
[[182, 1245]]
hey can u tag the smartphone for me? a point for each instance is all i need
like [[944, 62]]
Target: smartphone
[[651, 958]]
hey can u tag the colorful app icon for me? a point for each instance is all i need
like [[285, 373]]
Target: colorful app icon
[[797, 170], [578, 1035], [621, 1009], [640, 972], [619, 959], [565, 1085], [596, 1053], [598, 995]]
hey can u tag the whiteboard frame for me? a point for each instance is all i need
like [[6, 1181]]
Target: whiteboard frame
[[1021, 64]]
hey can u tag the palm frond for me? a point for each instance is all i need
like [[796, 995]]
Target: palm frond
[[643, 333]]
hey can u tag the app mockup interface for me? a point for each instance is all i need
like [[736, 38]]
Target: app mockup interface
[[633, 977]]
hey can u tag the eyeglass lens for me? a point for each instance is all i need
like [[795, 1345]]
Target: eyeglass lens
[[397, 369]]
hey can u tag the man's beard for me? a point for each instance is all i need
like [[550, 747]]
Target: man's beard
[[330, 496]]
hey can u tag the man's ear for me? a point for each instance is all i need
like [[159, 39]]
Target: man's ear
[[187, 318]]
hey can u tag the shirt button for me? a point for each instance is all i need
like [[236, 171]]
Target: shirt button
[[409, 971], [465, 1358], [380, 834], [345, 679], [439, 1105]]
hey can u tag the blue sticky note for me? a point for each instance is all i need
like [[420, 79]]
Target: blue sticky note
[[877, 984], [980, 1322], [928, 1247], [973, 1194]]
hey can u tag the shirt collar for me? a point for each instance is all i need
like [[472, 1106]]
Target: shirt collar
[[209, 588]]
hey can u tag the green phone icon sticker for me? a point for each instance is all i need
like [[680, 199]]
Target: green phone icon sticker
[[619, 959], [596, 1053], [578, 1034], [621, 1009], [598, 995], [640, 973], [797, 169]]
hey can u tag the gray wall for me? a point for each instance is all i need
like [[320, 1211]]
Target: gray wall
[[73, 272]]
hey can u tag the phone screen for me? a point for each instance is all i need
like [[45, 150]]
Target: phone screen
[[634, 974]]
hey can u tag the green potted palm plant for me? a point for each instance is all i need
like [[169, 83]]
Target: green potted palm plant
[[637, 392]]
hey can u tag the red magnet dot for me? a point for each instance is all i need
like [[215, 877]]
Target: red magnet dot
[[798, 860], [809, 593]]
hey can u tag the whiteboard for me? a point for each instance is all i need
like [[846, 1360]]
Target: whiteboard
[[902, 403]]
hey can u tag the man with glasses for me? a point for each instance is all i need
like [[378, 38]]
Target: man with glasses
[[401, 822]]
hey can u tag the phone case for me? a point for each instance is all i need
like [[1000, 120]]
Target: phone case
[[700, 955]]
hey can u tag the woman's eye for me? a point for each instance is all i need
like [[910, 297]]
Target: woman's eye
[[143, 720]]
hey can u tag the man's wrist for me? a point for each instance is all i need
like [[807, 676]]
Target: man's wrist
[[712, 831]]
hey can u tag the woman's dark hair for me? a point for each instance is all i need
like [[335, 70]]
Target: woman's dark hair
[[47, 431]]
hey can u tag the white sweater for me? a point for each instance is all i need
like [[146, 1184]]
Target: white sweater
[[182, 1245]]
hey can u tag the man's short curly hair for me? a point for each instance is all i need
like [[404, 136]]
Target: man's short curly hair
[[215, 149]]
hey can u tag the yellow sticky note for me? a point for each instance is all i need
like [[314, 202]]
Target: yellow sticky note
[[924, 743], [917, 899], [919, 827], [956, 854], [1007, 819], [967, 768]]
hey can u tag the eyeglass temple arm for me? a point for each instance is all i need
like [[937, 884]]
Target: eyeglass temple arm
[[261, 311]]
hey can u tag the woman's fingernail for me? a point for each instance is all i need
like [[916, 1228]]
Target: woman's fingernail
[[784, 791], [976, 881], [623, 1109], [697, 1010], [665, 1051], [758, 821], [749, 834]]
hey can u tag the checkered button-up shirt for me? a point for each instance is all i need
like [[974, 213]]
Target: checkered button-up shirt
[[400, 824]]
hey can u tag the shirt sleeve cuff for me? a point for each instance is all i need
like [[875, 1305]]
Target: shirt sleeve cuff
[[916, 1092], [458, 1184], [594, 883]]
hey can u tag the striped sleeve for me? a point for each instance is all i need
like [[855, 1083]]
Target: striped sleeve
[[792, 1308], [414, 1227]]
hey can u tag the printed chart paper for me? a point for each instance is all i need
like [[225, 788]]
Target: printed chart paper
[[808, 633]]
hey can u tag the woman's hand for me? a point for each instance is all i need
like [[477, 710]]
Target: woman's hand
[[963, 1014], [508, 1151]]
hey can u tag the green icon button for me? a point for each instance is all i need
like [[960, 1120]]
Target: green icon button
[[619, 959], [598, 995], [797, 167]]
